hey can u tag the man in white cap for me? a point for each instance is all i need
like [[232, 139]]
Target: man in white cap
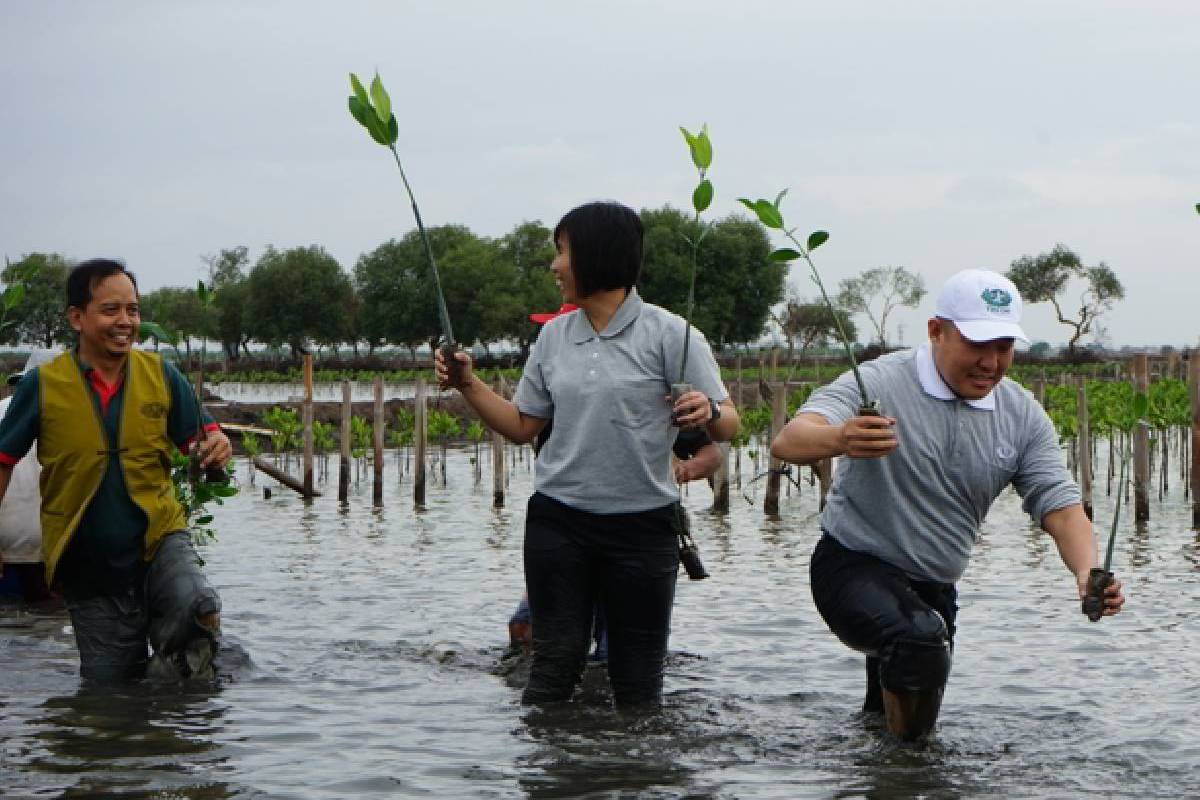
[[907, 501]]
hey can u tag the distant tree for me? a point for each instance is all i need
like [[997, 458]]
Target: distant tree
[[807, 323], [39, 318], [1043, 278], [178, 311], [229, 318], [1039, 349], [530, 249], [228, 266], [878, 292], [736, 285], [298, 296]]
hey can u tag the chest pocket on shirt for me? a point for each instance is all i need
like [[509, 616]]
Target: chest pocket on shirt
[[638, 403]]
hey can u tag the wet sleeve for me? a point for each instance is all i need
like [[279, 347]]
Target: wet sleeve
[[19, 427], [181, 421], [532, 397], [1042, 478]]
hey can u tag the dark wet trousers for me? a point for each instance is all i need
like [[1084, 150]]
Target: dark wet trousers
[[625, 563], [112, 628], [904, 626]]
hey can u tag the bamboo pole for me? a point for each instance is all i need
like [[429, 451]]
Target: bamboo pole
[[1083, 442], [778, 418], [1194, 388], [419, 443], [1039, 391], [1141, 445], [377, 489], [498, 457], [344, 461], [308, 425]]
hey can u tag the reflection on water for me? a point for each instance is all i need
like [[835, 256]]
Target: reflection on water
[[380, 670]]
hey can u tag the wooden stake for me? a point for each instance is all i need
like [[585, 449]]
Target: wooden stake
[[344, 461], [1141, 446], [721, 482], [1194, 475], [778, 418], [498, 457], [419, 444], [377, 489], [308, 426], [283, 477]]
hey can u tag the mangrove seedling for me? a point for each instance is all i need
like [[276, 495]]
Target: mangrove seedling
[[700, 147], [374, 112], [768, 214], [1100, 578]]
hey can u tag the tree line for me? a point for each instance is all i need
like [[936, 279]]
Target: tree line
[[303, 299]]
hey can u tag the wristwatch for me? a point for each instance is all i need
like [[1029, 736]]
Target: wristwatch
[[715, 407]]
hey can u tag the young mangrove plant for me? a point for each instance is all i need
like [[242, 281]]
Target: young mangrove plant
[[700, 147], [768, 214], [374, 112]]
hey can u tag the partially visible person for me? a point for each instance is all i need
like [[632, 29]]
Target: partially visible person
[[106, 419], [601, 525], [913, 487]]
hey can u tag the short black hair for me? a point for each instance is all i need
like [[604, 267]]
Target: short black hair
[[86, 274], [605, 241]]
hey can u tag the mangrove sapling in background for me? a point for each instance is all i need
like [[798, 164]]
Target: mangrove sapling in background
[[700, 148], [374, 112], [768, 214]]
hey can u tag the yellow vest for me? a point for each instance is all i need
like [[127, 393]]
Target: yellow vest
[[73, 451]]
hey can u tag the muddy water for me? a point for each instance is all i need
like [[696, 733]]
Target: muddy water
[[376, 669]]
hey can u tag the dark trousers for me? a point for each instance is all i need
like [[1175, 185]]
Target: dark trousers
[[625, 563], [870, 604], [112, 627]]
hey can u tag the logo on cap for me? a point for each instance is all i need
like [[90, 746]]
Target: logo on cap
[[998, 300]]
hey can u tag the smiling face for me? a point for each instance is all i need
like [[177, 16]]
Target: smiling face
[[970, 369], [108, 324], [564, 277]]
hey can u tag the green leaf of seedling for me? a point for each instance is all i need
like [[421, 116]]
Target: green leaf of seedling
[[224, 491], [359, 92], [358, 110], [703, 196], [205, 520], [393, 130], [779, 198], [383, 103], [148, 329], [1198, 208], [1141, 405], [702, 150], [376, 129], [688, 137], [768, 214], [816, 239], [14, 293], [784, 254]]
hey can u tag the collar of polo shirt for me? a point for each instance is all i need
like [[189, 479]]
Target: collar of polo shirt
[[934, 386], [627, 312]]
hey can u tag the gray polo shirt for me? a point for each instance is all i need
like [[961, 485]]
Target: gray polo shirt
[[920, 506], [606, 392]]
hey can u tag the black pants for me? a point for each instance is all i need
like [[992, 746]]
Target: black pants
[[112, 627], [626, 563], [904, 626]]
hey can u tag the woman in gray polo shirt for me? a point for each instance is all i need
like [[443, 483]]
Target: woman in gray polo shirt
[[600, 527]]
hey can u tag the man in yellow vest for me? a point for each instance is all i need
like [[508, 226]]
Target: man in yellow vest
[[106, 418]]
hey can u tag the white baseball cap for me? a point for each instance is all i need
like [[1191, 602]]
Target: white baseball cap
[[983, 305]]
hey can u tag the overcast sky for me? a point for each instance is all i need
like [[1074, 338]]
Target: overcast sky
[[931, 135]]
